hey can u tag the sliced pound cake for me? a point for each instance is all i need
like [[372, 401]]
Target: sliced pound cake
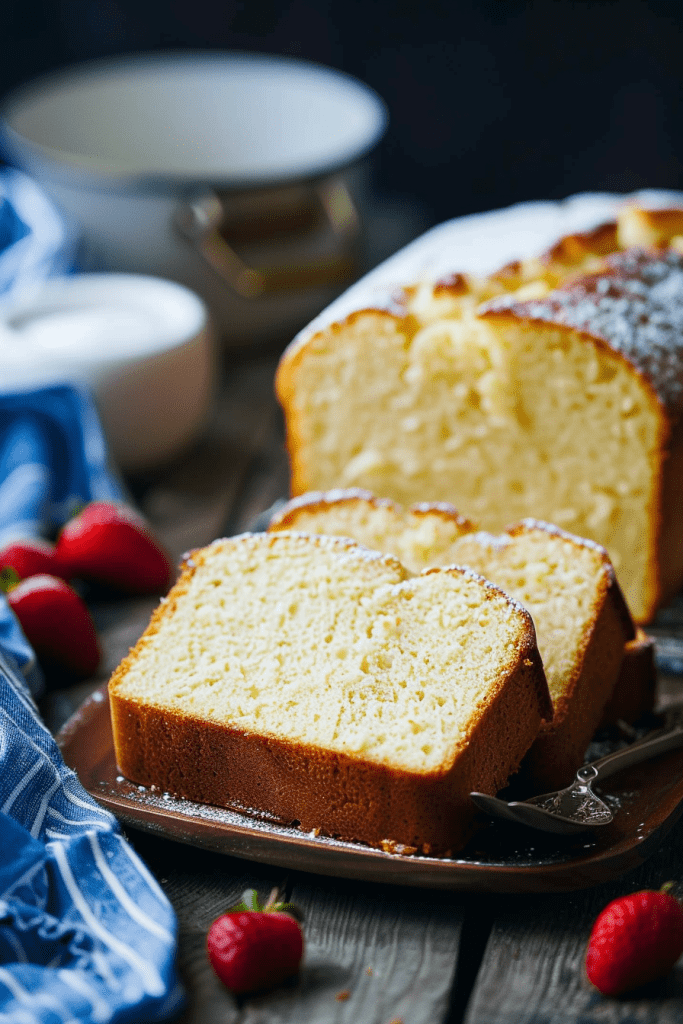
[[314, 680], [566, 583]]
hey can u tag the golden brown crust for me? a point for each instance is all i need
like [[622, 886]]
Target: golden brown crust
[[667, 521], [561, 743], [638, 226], [445, 511], [613, 590], [318, 501], [634, 691], [452, 284], [559, 749], [288, 517], [657, 359], [573, 249]]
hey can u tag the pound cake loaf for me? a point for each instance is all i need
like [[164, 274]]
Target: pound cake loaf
[[311, 679], [565, 407], [568, 585]]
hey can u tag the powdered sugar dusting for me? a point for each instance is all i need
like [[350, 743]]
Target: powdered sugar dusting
[[492, 541], [557, 531], [635, 305], [335, 496], [469, 573]]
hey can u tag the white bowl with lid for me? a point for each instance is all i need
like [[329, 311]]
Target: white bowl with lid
[[142, 346]]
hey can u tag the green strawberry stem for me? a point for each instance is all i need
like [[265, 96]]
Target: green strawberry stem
[[9, 579], [250, 903]]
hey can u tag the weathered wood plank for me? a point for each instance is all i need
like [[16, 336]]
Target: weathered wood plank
[[532, 969], [374, 954]]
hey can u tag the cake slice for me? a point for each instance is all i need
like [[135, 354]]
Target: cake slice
[[421, 536], [567, 584], [314, 680], [582, 623]]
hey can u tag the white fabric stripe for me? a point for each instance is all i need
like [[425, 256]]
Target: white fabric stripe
[[17, 990], [107, 817], [142, 869], [122, 896], [21, 786], [151, 979], [22, 880], [17, 692], [103, 968], [33, 999], [52, 833], [43, 757], [16, 946], [101, 1011], [23, 476], [40, 816], [77, 802], [52, 812]]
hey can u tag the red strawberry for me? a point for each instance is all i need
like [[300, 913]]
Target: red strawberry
[[636, 939], [29, 558], [57, 624], [252, 948], [112, 544]]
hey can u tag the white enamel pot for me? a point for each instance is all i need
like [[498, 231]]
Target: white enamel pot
[[239, 175]]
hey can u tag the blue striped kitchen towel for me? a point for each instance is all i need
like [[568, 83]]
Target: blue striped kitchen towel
[[53, 460], [86, 934]]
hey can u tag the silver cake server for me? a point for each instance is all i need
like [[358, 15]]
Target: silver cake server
[[577, 808]]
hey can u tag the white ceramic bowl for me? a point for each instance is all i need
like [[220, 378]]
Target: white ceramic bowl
[[141, 345]]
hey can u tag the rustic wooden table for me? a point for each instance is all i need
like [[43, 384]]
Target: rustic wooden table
[[375, 954]]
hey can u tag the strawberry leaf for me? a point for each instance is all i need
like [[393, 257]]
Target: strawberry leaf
[[9, 578]]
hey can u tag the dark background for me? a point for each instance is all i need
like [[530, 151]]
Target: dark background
[[490, 102]]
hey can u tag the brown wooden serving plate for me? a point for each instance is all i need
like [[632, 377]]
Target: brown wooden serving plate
[[501, 857]]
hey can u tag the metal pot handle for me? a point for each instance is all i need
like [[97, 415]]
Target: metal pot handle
[[200, 219]]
